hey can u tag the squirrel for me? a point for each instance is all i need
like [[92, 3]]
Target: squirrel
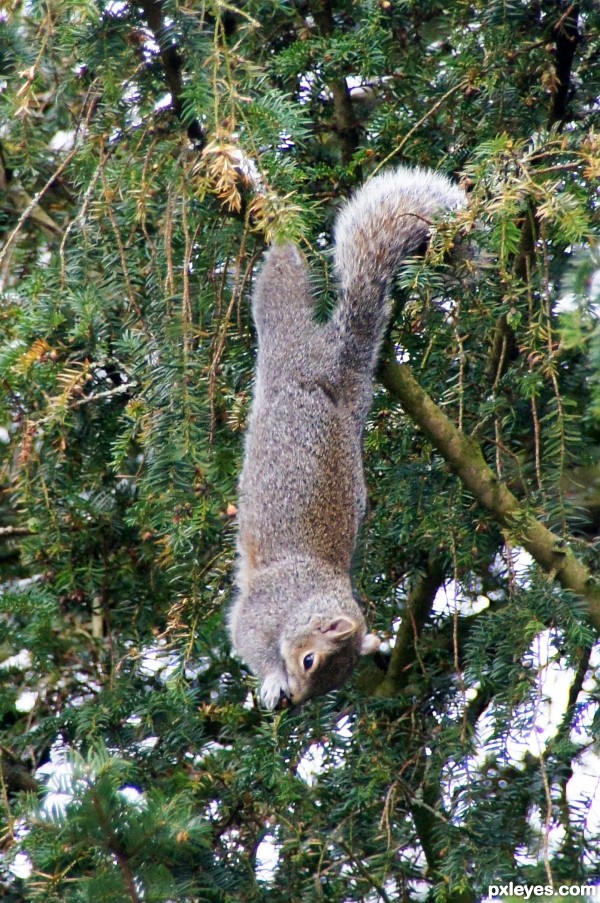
[[295, 621]]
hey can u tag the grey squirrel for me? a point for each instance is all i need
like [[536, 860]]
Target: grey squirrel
[[295, 621]]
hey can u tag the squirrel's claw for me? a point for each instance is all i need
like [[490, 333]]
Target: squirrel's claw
[[273, 691]]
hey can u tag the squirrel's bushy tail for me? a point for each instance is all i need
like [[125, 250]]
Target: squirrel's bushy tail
[[387, 220]]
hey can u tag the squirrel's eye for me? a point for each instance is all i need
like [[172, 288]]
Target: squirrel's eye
[[308, 661]]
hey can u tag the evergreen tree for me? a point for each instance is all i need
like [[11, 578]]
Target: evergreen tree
[[148, 153]]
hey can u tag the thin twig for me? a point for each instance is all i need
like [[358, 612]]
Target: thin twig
[[422, 120]]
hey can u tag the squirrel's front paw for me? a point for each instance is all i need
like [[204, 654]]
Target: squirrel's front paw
[[273, 690]]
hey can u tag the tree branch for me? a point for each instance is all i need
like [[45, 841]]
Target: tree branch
[[426, 811], [346, 124], [172, 66], [566, 35], [11, 531], [464, 454], [16, 777], [418, 606]]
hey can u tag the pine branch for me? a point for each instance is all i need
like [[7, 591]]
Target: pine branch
[[567, 37], [114, 845], [172, 62], [532, 764], [16, 777], [364, 871], [504, 345], [418, 606], [566, 725], [30, 206], [347, 127], [426, 814], [464, 454]]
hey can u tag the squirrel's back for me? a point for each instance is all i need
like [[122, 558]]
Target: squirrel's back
[[302, 494]]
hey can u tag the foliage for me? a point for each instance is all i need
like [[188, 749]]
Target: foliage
[[148, 152]]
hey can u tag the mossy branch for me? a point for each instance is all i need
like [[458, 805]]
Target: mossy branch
[[466, 458]]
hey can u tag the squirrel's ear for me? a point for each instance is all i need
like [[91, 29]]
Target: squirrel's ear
[[370, 643], [339, 629]]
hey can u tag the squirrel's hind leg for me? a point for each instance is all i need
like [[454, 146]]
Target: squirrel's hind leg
[[283, 300]]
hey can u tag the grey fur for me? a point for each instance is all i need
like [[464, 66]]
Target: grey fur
[[302, 490]]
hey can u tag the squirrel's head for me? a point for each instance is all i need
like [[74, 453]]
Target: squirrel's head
[[322, 657]]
